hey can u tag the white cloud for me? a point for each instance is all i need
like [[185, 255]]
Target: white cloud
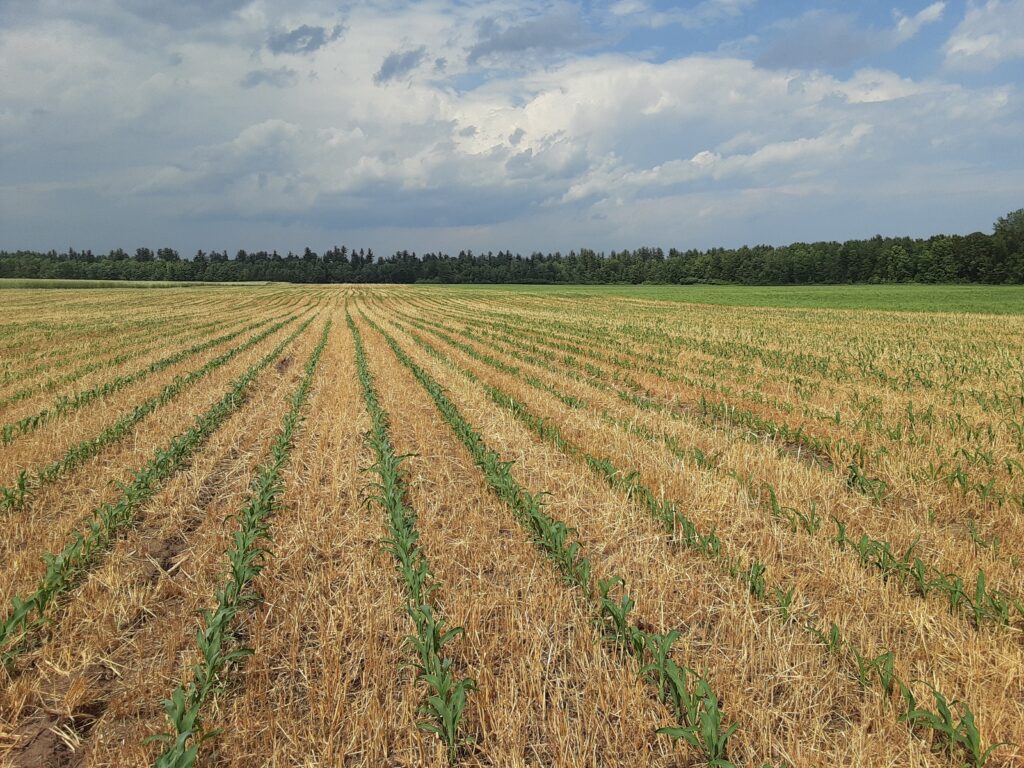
[[989, 34], [590, 146], [908, 26]]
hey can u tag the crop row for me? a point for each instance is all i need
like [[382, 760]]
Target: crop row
[[961, 735], [65, 568], [14, 496], [446, 701], [69, 403], [972, 596], [839, 449], [688, 694], [245, 559], [55, 379]]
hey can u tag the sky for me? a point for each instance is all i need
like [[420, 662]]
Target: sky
[[513, 124]]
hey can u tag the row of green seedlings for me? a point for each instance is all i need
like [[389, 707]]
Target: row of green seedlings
[[660, 363], [982, 605], [245, 558], [956, 733], [66, 568], [819, 450], [36, 350], [987, 604], [631, 390], [55, 358], [855, 455], [688, 693], [150, 340], [66, 404], [823, 450], [26, 483], [446, 701], [600, 379], [72, 376]]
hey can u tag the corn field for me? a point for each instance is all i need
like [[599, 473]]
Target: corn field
[[415, 526]]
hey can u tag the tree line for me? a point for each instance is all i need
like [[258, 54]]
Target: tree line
[[973, 258]]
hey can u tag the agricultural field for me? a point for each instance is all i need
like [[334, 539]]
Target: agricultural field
[[422, 526]]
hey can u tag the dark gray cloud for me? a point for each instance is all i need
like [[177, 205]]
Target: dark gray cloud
[[399, 63], [279, 78], [557, 31], [304, 39]]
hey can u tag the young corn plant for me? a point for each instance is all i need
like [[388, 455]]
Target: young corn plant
[[64, 568], [957, 735], [703, 726], [245, 560], [446, 701]]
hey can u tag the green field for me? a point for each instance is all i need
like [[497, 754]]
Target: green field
[[982, 299]]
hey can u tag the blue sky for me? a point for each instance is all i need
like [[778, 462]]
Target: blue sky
[[488, 125]]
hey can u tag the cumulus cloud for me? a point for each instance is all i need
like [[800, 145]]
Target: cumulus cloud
[[908, 26], [399, 63], [276, 140], [304, 39], [989, 34]]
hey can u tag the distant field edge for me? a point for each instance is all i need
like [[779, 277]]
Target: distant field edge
[[965, 298], [959, 299], [43, 282]]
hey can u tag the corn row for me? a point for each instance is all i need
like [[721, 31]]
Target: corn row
[[447, 699], [971, 598], [245, 562], [688, 694], [13, 497], [833, 454], [53, 360], [960, 735], [64, 569], [96, 365], [67, 404]]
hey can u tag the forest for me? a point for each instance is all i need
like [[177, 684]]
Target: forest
[[996, 258]]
